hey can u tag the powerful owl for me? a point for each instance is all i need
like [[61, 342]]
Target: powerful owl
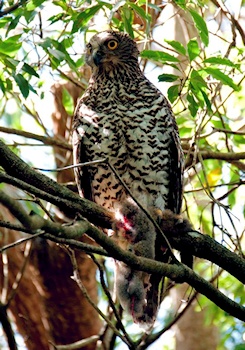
[[124, 118]]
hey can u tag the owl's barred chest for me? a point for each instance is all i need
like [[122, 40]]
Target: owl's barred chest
[[133, 134]]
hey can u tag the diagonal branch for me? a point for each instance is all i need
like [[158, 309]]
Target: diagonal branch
[[177, 272], [12, 8]]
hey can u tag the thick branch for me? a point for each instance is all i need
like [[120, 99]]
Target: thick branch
[[47, 189], [176, 272], [203, 246]]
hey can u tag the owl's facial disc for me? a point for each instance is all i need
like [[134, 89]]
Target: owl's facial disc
[[102, 50], [107, 49]]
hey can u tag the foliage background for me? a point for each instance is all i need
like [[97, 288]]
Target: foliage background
[[199, 64]]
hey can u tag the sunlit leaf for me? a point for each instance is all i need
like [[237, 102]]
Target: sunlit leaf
[[222, 77], [127, 17], [177, 46], [173, 93], [140, 11], [33, 4], [197, 79], [67, 101], [201, 26], [214, 176], [10, 46], [181, 3], [193, 49], [57, 54], [221, 61], [84, 17], [158, 56]]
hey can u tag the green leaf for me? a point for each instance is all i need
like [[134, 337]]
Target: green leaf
[[201, 26], [10, 46], [56, 18], [10, 63], [193, 106], [181, 3], [127, 17], [23, 84], [193, 49], [206, 99], [4, 21], [28, 69], [168, 77], [158, 56], [197, 80], [177, 46], [173, 93], [222, 77], [13, 23], [84, 17], [33, 4], [222, 61], [240, 347], [2, 86], [140, 11], [60, 56], [67, 101]]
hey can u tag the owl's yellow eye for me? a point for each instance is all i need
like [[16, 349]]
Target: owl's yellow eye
[[112, 44], [89, 49]]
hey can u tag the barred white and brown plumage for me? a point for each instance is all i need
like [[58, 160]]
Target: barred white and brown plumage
[[123, 117]]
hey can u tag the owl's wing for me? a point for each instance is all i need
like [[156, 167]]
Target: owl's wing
[[176, 163], [82, 174], [176, 167]]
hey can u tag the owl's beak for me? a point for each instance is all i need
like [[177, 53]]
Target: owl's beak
[[97, 57]]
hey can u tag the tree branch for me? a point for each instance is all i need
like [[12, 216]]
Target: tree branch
[[7, 328], [228, 156], [12, 8], [47, 189], [223, 8], [49, 141], [177, 272], [194, 242]]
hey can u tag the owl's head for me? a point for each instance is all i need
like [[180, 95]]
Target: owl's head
[[110, 48]]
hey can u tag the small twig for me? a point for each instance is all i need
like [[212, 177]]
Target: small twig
[[19, 241], [77, 279], [79, 165], [21, 272], [111, 302], [79, 344], [225, 11], [50, 141]]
